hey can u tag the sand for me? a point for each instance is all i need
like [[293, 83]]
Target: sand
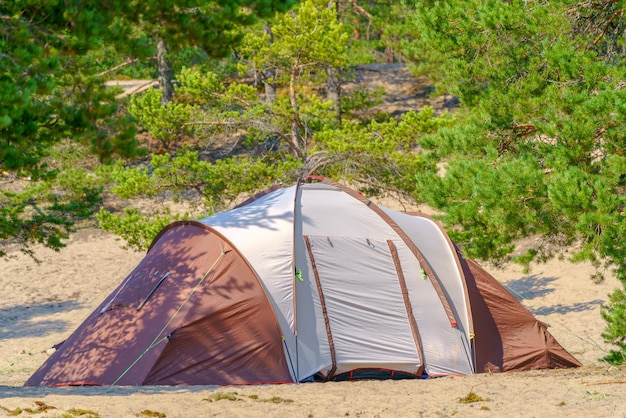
[[42, 303]]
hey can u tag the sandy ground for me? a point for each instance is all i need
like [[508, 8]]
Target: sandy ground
[[43, 303]]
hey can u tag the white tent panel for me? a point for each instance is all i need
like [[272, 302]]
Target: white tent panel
[[436, 249], [312, 353], [366, 312], [328, 211], [445, 348]]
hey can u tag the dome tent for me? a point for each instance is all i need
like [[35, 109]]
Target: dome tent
[[312, 281]]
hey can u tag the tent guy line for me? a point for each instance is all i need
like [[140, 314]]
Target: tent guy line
[[155, 342]]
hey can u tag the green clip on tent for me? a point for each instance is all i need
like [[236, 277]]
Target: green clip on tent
[[302, 283]]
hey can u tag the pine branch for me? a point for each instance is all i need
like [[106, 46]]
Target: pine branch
[[117, 67], [608, 23], [528, 129]]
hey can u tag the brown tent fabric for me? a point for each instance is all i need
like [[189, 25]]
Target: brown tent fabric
[[508, 337], [191, 312], [299, 282]]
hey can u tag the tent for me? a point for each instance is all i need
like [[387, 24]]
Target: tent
[[301, 283]]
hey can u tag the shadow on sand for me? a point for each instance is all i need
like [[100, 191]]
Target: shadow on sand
[[21, 321], [41, 391], [534, 286]]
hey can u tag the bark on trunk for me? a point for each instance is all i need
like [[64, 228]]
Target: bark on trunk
[[333, 90], [295, 121], [333, 85], [165, 73], [270, 86], [269, 74]]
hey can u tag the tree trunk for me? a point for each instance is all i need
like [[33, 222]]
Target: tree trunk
[[269, 74], [165, 73], [333, 85], [295, 120], [333, 90], [270, 86]]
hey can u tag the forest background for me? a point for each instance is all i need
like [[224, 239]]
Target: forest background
[[528, 163]]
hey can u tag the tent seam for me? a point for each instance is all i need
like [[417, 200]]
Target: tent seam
[[320, 292], [407, 304]]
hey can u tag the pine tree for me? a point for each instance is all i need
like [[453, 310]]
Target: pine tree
[[51, 93], [246, 143], [539, 148], [211, 26]]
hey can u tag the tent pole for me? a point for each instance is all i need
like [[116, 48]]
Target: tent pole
[[296, 275], [473, 340], [288, 355]]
